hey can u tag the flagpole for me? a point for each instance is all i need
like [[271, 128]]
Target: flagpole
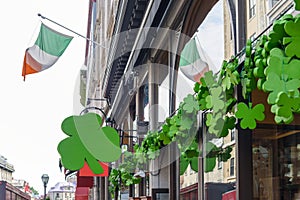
[[43, 17]]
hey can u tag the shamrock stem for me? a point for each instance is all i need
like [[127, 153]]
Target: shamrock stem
[[94, 165]]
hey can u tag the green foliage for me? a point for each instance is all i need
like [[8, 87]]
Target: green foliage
[[88, 142], [34, 191], [249, 115], [297, 4]]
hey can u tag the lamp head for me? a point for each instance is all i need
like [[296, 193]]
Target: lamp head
[[45, 179]]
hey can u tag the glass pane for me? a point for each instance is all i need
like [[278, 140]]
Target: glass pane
[[276, 164]]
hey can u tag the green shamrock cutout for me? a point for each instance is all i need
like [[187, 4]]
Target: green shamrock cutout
[[164, 138], [292, 42], [212, 122], [286, 106], [184, 162], [190, 104], [209, 80], [275, 85], [249, 115], [276, 35], [152, 154], [282, 65], [88, 142], [297, 4], [186, 123], [230, 79], [218, 126], [280, 119], [214, 100]]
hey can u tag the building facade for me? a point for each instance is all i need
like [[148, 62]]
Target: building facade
[[6, 170], [131, 78], [62, 191]]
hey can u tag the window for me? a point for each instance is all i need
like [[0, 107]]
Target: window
[[231, 172], [232, 134], [219, 164], [252, 37], [273, 2], [252, 4]]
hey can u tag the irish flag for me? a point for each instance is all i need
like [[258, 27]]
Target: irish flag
[[48, 47], [191, 63]]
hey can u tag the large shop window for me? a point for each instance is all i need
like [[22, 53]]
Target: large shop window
[[276, 164]]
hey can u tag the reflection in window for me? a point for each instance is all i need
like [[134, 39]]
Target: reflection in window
[[276, 164]]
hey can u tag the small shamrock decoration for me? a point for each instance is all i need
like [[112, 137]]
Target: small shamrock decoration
[[275, 85], [214, 100], [186, 123], [286, 106], [278, 32], [164, 138], [152, 154], [249, 115], [88, 142], [219, 126], [280, 119], [190, 104], [209, 80], [292, 42]]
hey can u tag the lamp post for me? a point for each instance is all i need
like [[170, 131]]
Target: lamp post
[[45, 179]]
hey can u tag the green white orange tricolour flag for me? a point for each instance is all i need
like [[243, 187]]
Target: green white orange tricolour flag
[[192, 63], [48, 47]]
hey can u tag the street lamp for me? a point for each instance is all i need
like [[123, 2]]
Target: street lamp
[[45, 179]]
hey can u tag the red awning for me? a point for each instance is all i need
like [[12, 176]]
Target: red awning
[[86, 171], [82, 193]]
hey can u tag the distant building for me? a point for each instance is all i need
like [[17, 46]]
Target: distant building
[[62, 191], [6, 170]]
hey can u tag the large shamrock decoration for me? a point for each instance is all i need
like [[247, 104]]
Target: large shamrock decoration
[[282, 65], [88, 142], [276, 85], [292, 42], [249, 115]]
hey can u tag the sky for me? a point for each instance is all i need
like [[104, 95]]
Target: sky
[[32, 111]]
